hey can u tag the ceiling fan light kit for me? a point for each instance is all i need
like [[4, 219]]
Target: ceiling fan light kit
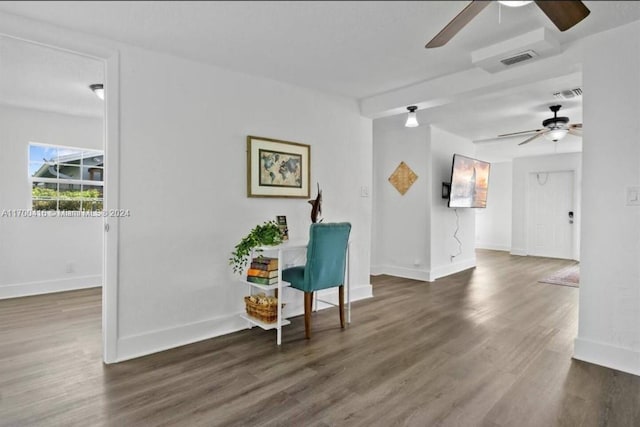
[[412, 120], [554, 128], [515, 3], [563, 14], [556, 135]]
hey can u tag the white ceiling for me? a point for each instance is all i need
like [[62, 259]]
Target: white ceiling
[[42, 78], [353, 48], [483, 118]]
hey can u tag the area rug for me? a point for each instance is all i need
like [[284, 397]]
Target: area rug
[[568, 276]]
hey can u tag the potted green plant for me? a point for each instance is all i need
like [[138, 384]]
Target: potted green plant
[[266, 234]]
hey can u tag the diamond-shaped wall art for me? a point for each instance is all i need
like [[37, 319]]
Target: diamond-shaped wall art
[[403, 178]]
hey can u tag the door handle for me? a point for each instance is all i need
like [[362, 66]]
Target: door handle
[[570, 217]]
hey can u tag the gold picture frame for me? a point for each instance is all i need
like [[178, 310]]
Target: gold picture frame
[[277, 168]]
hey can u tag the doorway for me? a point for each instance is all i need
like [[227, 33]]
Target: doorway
[[551, 214], [35, 37]]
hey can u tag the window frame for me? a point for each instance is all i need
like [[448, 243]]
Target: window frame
[[58, 181]]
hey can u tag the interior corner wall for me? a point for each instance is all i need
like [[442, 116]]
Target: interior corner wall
[[609, 311], [36, 253], [401, 222], [493, 223], [183, 177], [447, 255], [522, 167]]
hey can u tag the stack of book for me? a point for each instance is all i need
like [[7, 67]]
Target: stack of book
[[263, 270]]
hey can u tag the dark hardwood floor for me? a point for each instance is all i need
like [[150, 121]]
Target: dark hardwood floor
[[486, 347]]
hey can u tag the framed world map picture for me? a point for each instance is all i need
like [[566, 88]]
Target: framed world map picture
[[277, 168]]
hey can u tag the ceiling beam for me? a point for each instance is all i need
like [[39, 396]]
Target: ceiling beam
[[471, 83]]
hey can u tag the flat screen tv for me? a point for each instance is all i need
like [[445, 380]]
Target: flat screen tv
[[469, 182]]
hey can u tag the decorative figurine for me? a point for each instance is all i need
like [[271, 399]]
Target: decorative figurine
[[316, 207]]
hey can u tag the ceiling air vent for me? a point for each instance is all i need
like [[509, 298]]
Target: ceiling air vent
[[568, 93], [519, 50], [519, 57]]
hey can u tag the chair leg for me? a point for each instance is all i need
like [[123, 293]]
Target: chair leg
[[308, 305], [341, 304]]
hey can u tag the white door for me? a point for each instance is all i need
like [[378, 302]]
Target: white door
[[550, 214]]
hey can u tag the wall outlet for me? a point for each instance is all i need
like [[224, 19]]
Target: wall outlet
[[70, 267], [633, 196]]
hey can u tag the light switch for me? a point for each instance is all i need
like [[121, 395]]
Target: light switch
[[364, 191], [633, 196]]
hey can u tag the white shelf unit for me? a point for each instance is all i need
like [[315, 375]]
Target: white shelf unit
[[266, 287], [279, 249], [265, 326]]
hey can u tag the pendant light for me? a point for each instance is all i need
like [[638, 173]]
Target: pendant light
[[98, 89], [412, 121]]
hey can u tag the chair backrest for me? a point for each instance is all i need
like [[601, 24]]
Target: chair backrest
[[326, 255]]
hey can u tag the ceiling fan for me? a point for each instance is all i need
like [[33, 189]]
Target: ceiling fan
[[555, 128], [564, 14]]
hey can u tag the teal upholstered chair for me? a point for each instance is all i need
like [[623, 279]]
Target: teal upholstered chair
[[325, 266]]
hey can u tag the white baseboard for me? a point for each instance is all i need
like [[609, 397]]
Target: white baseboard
[[492, 247], [522, 252], [610, 356], [49, 286], [152, 342], [448, 269], [406, 273], [426, 275], [376, 270]]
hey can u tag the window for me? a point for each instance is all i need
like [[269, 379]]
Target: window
[[66, 178]]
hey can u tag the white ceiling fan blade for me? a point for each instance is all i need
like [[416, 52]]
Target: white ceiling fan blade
[[537, 135], [524, 132]]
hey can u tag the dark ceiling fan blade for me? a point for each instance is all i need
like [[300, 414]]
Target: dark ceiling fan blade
[[576, 126], [524, 132], [537, 135], [564, 14], [457, 23]]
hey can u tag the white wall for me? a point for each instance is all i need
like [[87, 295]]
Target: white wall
[[522, 167], [609, 316], [443, 219], [493, 224], [183, 176], [414, 232], [401, 240], [35, 252]]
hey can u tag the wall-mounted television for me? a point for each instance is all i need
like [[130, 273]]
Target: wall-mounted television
[[469, 182]]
